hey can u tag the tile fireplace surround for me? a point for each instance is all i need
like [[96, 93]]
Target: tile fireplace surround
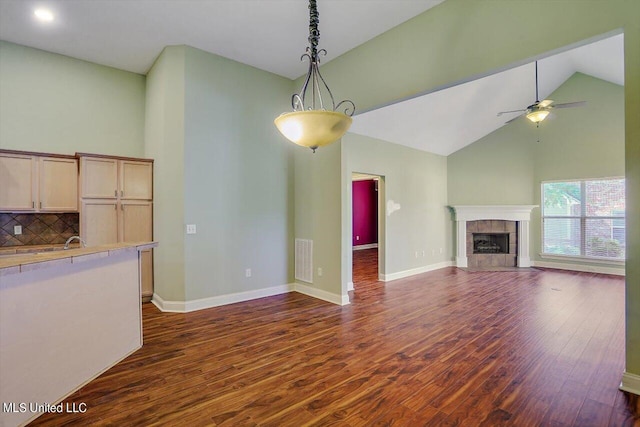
[[519, 213]]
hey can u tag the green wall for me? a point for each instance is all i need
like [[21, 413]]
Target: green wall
[[632, 175], [56, 104], [414, 179], [581, 143], [221, 165], [417, 182], [237, 170], [164, 142], [317, 214], [477, 174]]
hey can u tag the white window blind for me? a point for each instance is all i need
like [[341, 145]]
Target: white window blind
[[584, 218]]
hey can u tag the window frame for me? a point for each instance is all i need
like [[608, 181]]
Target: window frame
[[583, 218]]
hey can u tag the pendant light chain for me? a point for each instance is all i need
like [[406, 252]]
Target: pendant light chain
[[314, 80], [314, 32], [315, 124]]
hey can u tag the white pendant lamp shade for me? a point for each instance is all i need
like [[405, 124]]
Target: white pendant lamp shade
[[313, 128]]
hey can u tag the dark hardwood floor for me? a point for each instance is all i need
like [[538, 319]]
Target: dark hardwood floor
[[448, 347]]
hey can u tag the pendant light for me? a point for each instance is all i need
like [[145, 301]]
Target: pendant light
[[314, 123]]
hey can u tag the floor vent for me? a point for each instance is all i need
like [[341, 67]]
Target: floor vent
[[304, 260]]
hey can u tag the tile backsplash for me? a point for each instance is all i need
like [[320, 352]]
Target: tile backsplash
[[38, 228]]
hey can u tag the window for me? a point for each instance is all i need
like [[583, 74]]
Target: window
[[584, 218]]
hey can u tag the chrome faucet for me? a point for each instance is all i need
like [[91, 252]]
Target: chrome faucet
[[72, 238]]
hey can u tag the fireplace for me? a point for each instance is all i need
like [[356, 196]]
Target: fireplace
[[490, 243], [492, 236]]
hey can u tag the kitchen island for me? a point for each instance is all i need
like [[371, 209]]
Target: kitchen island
[[65, 318]]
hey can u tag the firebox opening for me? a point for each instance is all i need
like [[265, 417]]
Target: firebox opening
[[490, 243]]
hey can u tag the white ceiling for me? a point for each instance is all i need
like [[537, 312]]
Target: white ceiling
[[272, 35], [267, 34]]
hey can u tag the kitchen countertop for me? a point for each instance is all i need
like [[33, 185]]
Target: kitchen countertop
[[27, 249], [19, 263]]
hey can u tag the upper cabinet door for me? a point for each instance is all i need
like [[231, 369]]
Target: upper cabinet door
[[17, 182], [99, 178], [136, 180], [58, 184]]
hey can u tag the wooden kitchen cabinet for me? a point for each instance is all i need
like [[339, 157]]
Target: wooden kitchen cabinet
[[38, 183], [117, 206], [111, 178], [58, 184], [136, 180], [98, 222], [98, 178], [135, 221], [18, 189]]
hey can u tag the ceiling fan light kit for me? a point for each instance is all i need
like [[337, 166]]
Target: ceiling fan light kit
[[539, 110], [310, 124], [536, 115]]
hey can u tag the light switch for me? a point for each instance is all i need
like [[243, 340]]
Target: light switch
[[17, 229], [191, 229]]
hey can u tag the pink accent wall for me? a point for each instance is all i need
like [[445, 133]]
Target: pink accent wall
[[365, 212]]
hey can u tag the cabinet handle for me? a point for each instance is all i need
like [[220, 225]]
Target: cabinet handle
[[115, 193], [33, 205], [40, 205], [121, 193], [122, 207]]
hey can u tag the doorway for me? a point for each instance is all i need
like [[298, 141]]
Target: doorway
[[366, 228]]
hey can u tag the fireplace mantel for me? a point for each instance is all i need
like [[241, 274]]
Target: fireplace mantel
[[519, 213]]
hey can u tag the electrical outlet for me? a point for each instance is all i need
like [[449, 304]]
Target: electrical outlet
[[357, 237], [319, 271], [416, 254], [17, 230], [191, 229], [247, 272]]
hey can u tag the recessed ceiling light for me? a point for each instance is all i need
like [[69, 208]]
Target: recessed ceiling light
[[43, 15]]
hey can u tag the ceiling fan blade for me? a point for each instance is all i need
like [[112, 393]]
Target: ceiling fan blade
[[571, 104], [545, 103], [512, 111], [515, 118]]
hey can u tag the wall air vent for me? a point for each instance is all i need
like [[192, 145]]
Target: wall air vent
[[304, 260]]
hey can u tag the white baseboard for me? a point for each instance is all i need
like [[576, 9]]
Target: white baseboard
[[630, 383], [580, 267], [200, 304], [203, 303], [414, 271], [367, 246], [320, 294]]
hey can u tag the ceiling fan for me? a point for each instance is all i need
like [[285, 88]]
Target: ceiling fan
[[539, 110]]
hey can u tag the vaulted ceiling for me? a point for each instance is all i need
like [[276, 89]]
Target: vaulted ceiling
[[449, 119]]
